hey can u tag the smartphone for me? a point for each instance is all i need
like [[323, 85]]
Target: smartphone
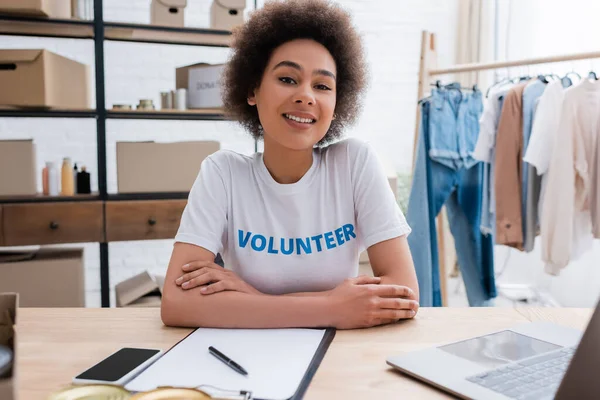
[[120, 367]]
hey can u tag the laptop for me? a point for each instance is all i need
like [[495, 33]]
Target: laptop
[[537, 360]]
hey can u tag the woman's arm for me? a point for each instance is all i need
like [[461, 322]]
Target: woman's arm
[[354, 303], [230, 309], [392, 262]]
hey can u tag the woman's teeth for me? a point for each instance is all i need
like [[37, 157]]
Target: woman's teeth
[[298, 119]]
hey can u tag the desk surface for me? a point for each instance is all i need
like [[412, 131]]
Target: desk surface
[[56, 344]]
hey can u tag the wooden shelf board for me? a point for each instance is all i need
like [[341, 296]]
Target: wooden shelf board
[[199, 114], [36, 112], [148, 196], [41, 198], [116, 31], [166, 35], [44, 27]]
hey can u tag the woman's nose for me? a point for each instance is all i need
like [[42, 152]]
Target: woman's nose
[[304, 96]]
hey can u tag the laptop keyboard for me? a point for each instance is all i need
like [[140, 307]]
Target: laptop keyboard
[[534, 378]]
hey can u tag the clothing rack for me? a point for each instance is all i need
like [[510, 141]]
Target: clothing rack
[[427, 70]]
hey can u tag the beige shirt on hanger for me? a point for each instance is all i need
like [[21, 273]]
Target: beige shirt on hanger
[[566, 220], [507, 174]]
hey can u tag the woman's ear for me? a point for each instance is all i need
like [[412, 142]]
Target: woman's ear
[[252, 98]]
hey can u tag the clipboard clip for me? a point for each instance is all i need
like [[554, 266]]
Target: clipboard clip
[[216, 393]]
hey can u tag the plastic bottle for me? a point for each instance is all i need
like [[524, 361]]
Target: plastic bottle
[[75, 171], [66, 180], [83, 181], [52, 179], [45, 182]]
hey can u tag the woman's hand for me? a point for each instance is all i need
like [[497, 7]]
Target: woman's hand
[[213, 278], [355, 304]]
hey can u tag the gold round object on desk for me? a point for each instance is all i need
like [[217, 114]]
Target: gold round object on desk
[[121, 107], [172, 394], [91, 392]]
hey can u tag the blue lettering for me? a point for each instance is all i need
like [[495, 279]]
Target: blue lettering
[[243, 241], [317, 240], [290, 250], [305, 245], [339, 236], [271, 249], [349, 231], [329, 240], [263, 244]]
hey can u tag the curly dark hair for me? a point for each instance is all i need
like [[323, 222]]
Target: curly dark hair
[[279, 22]]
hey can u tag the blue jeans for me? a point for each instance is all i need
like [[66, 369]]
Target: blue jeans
[[454, 126], [457, 183]]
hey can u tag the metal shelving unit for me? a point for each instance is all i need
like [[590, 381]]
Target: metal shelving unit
[[100, 32]]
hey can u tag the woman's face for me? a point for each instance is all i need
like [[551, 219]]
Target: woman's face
[[297, 94]]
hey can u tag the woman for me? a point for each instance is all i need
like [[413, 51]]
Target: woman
[[291, 222]]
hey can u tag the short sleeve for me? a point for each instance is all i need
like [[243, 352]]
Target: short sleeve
[[378, 216], [204, 219], [487, 131], [539, 150]]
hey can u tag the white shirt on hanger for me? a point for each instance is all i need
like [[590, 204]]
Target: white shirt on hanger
[[545, 126], [488, 125], [566, 222], [543, 133]]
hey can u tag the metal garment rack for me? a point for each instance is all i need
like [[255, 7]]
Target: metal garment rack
[[99, 31], [427, 70]]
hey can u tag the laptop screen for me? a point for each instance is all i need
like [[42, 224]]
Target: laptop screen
[[498, 348]]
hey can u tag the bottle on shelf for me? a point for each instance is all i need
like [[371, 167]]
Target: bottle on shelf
[[83, 182], [66, 175], [75, 171], [52, 178], [45, 182]]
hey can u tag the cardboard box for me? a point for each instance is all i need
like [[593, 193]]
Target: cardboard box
[[40, 78], [227, 14], [9, 303], [17, 168], [50, 278], [58, 9], [203, 84], [142, 290], [82, 9], [160, 167], [168, 12]]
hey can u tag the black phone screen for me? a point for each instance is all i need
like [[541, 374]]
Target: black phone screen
[[117, 365]]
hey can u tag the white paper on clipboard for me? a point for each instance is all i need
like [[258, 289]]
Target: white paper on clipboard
[[276, 361]]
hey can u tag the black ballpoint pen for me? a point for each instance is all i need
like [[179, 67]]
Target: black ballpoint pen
[[232, 364]]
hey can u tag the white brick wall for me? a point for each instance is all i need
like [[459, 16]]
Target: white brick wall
[[392, 32]]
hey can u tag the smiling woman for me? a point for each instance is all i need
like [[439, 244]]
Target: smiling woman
[[291, 222]]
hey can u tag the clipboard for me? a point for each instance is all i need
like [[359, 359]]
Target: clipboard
[[184, 364]]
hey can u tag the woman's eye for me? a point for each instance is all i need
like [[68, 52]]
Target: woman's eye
[[287, 80], [323, 87]]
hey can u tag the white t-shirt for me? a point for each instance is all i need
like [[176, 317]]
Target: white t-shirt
[[299, 237], [545, 127], [488, 126], [566, 224]]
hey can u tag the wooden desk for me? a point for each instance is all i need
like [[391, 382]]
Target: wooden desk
[[56, 344]]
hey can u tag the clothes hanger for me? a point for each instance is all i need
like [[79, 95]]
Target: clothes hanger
[[453, 85], [566, 81], [592, 75], [501, 82]]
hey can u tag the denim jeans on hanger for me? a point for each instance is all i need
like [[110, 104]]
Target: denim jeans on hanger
[[446, 174]]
